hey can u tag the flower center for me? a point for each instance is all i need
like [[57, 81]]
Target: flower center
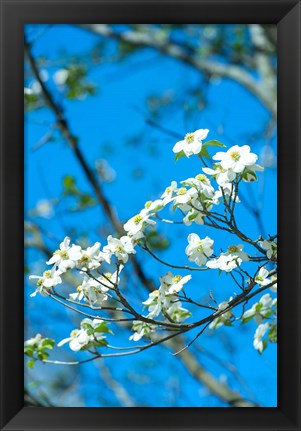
[[201, 178], [182, 191], [168, 190], [79, 289], [74, 333], [189, 138], [259, 278], [148, 204], [137, 219], [235, 155], [62, 253], [40, 282], [177, 278], [47, 274], [233, 249], [200, 247], [84, 258], [119, 249], [108, 275]]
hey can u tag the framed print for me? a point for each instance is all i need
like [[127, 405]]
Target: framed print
[[150, 164]]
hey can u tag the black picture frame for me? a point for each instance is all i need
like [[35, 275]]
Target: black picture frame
[[16, 13]]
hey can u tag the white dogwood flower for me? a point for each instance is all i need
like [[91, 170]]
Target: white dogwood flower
[[261, 310], [60, 76], [265, 308], [91, 258], [236, 158], [201, 183], [49, 279], [222, 176], [173, 283], [34, 341], [262, 277], [169, 193], [44, 209], [223, 319], [109, 279], [121, 248], [192, 143], [136, 225], [92, 291], [142, 329], [273, 288], [199, 250], [194, 216], [258, 336], [249, 174], [66, 257], [184, 196], [154, 206], [154, 303], [270, 247], [226, 190], [89, 334], [158, 301], [177, 313], [228, 261]]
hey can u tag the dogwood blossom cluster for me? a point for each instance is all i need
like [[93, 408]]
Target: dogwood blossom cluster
[[264, 314], [224, 318], [199, 250], [192, 143], [73, 256], [229, 260], [163, 301], [269, 329], [270, 247], [195, 199], [237, 161], [90, 334], [36, 349]]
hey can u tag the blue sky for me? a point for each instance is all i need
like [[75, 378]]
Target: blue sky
[[105, 125]]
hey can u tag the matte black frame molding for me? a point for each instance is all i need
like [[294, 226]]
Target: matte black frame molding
[[14, 14]]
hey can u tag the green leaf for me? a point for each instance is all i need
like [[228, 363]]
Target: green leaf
[[48, 343], [193, 216], [42, 355], [258, 307], [102, 343], [102, 327], [156, 241], [249, 176], [69, 186], [29, 350], [30, 364], [179, 155], [204, 153], [214, 143], [272, 335], [68, 182], [86, 200], [246, 320], [87, 327]]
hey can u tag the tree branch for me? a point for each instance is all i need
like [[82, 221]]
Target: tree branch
[[266, 93]]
